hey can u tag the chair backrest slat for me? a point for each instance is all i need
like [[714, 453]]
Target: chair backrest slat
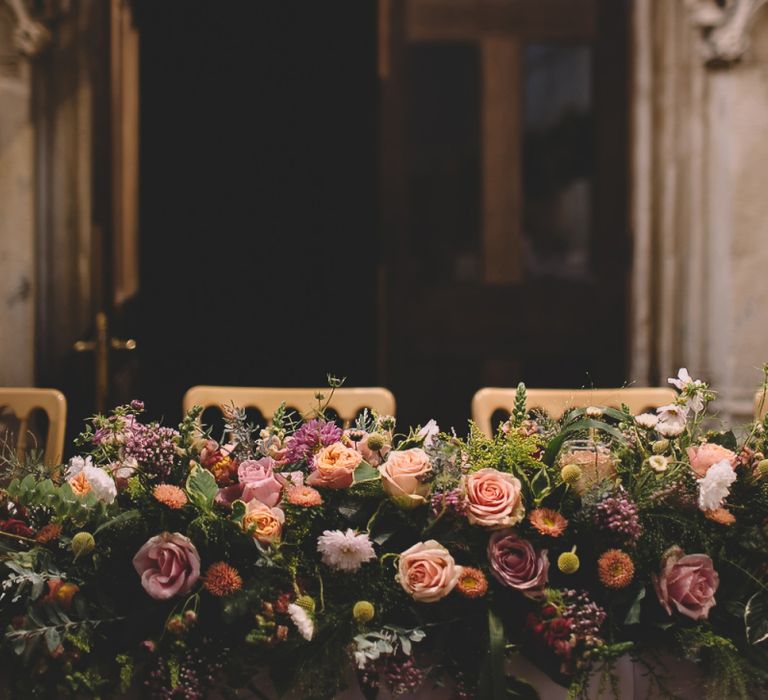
[[556, 402], [22, 402], [346, 402]]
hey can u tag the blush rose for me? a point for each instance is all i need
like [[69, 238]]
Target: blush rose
[[168, 564], [427, 571], [492, 498], [704, 456], [403, 477]]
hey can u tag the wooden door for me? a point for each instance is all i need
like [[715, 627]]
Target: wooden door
[[503, 134], [86, 114]]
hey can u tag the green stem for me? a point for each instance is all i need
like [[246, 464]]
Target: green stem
[[18, 537], [375, 515]]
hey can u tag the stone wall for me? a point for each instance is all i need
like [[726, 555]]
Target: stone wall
[[17, 249]]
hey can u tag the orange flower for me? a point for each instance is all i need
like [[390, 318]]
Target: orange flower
[[304, 496], [722, 516], [222, 580], [48, 533], [472, 583], [79, 484], [61, 593], [224, 471], [548, 521], [169, 495], [615, 569]]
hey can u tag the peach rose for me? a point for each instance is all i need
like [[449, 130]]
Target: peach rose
[[263, 522], [427, 571], [404, 477], [335, 466], [492, 498], [704, 456]]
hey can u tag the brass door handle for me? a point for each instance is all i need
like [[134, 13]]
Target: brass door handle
[[101, 346]]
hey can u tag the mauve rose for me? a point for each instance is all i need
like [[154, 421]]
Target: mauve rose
[[492, 498], [704, 456], [403, 477], [168, 564], [427, 571], [259, 481], [335, 467], [688, 583], [516, 564]]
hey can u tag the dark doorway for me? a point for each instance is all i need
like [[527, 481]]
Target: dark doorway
[[504, 142], [259, 243]]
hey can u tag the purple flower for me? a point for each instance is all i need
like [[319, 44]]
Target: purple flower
[[619, 514], [587, 617], [153, 447], [516, 564], [308, 439]]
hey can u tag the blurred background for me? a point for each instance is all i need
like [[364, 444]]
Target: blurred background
[[429, 195]]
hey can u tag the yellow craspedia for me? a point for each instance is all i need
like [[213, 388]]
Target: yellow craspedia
[[307, 602], [375, 442], [363, 611], [570, 473], [83, 543], [762, 467], [568, 562]]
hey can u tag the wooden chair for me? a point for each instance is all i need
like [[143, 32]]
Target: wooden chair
[[22, 402], [347, 402], [556, 402]]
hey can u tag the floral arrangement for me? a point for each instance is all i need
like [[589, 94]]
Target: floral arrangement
[[168, 562]]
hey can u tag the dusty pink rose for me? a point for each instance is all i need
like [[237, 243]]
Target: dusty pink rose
[[259, 481], [404, 477], [427, 571], [687, 583], [168, 564], [704, 456], [335, 467], [492, 498], [516, 564]]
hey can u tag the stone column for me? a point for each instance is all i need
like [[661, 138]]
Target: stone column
[[17, 226], [700, 213]]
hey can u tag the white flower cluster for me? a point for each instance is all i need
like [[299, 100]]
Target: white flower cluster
[[102, 484], [670, 420], [302, 620], [345, 551], [715, 486]]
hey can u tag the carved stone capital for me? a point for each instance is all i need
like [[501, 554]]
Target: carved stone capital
[[31, 36], [724, 27]]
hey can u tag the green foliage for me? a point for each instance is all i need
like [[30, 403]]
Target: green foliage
[[201, 488]]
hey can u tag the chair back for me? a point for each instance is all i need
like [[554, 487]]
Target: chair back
[[22, 402], [346, 402], [556, 402]]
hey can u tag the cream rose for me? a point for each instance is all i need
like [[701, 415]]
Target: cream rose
[[492, 498], [335, 466], [427, 571], [404, 477], [265, 524]]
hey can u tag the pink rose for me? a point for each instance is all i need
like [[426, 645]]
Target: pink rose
[[404, 477], [687, 582], [516, 564], [259, 482], [427, 571], [168, 564], [704, 456], [492, 498], [335, 467]]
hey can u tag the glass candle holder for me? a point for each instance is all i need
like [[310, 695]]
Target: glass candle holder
[[593, 458]]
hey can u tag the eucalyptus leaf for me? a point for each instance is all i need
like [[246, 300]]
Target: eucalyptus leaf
[[121, 519], [633, 614], [52, 639]]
